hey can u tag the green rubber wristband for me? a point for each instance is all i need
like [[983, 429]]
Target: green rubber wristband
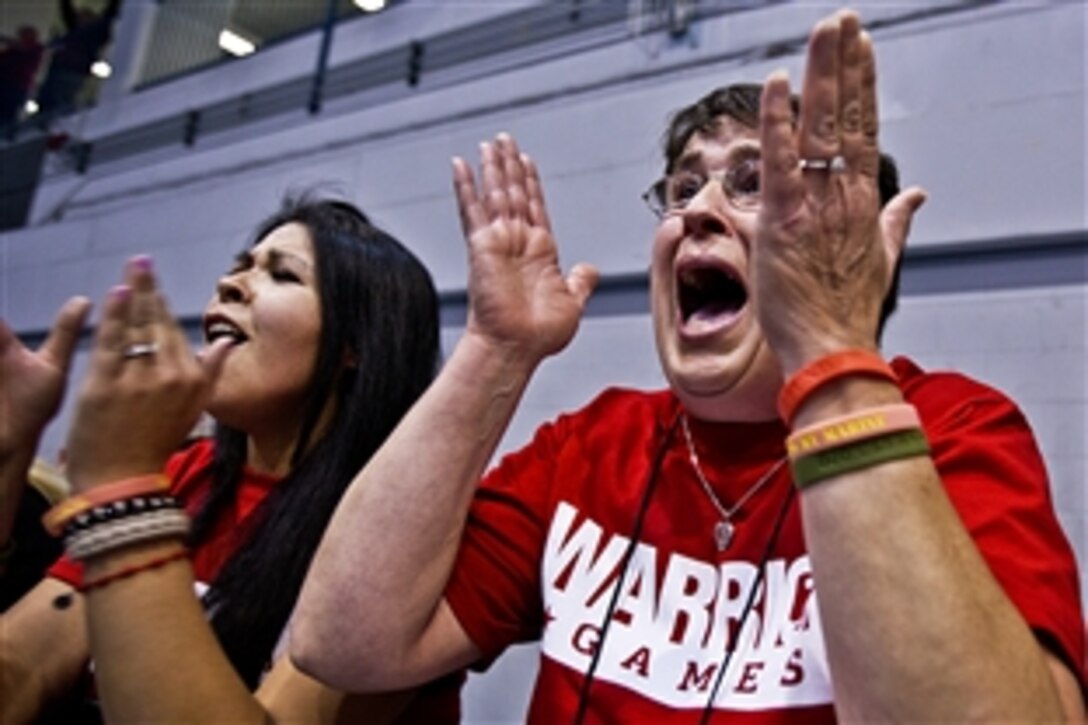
[[856, 456]]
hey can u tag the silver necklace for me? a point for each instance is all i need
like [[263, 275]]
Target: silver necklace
[[724, 529]]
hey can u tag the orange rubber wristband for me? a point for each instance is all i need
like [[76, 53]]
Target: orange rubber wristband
[[821, 371], [56, 518]]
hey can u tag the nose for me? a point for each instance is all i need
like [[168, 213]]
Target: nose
[[708, 212], [232, 288]]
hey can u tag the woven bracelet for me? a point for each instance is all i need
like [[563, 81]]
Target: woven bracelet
[[164, 523], [868, 423], [56, 518], [858, 455], [129, 571], [822, 371]]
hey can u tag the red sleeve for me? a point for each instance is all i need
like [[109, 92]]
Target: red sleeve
[[494, 588], [993, 472], [177, 469]]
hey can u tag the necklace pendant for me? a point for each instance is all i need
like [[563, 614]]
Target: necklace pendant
[[723, 535]]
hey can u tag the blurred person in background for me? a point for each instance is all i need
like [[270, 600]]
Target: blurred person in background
[[20, 58], [72, 54]]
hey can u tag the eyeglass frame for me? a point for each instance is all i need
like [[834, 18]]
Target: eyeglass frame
[[654, 196]]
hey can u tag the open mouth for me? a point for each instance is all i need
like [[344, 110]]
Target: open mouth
[[219, 327], [709, 293]]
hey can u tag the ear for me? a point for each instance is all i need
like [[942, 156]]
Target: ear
[[350, 360]]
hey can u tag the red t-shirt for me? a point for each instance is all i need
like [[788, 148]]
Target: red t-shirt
[[547, 531], [190, 472]]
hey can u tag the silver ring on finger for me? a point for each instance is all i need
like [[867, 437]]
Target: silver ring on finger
[[836, 164], [140, 349]]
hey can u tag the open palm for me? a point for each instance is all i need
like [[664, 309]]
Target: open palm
[[518, 296], [32, 382]]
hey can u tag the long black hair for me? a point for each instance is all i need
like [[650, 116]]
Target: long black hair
[[379, 309]]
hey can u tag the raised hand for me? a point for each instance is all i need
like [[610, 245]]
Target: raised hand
[[32, 382], [144, 389], [824, 253], [519, 299]]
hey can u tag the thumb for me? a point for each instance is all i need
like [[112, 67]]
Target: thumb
[[895, 220], [582, 280], [64, 334], [212, 358]]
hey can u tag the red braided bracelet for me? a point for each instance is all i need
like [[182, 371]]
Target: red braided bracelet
[[131, 570]]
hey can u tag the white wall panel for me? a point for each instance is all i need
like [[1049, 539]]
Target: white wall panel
[[983, 143]]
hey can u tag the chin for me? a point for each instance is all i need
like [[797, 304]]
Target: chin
[[220, 408], [746, 391]]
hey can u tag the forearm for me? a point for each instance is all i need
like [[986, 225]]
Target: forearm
[[904, 594], [156, 658], [382, 567], [14, 467], [43, 649]]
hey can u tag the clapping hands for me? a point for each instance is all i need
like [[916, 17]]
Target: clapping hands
[[32, 383], [144, 389], [519, 299], [825, 251]]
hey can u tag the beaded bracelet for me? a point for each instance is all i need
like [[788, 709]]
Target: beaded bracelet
[[869, 423], [855, 456], [129, 571], [57, 517], [164, 523], [821, 371], [118, 510], [100, 530]]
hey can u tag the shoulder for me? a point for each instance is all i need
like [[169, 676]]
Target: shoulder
[[615, 419], [191, 466], [622, 408], [942, 393]]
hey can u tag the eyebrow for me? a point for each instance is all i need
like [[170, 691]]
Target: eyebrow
[[245, 259], [743, 149]]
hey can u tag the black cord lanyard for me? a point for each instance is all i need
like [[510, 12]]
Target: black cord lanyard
[[748, 605], [625, 560]]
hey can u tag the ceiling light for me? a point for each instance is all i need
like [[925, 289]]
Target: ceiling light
[[235, 44], [101, 69], [370, 6]]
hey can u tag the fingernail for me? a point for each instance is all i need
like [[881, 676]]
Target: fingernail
[[142, 262], [120, 292]]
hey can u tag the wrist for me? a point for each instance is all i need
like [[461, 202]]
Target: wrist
[[479, 358], [846, 395], [793, 361], [83, 481]]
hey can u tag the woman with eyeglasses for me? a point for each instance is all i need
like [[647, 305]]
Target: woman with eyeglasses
[[796, 530]]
